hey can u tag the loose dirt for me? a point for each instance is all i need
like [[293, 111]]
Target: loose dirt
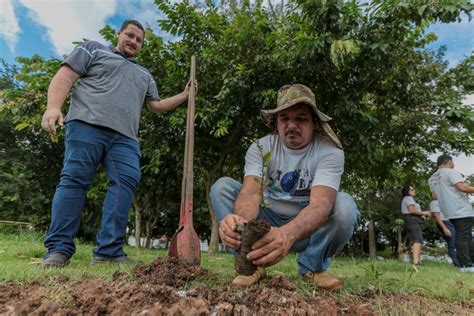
[[161, 288], [168, 271]]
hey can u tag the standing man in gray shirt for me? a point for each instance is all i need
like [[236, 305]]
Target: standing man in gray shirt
[[101, 128], [448, 187]]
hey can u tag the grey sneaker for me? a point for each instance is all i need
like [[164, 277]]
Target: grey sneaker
[[117, 260], [55, 260], [466, 269]]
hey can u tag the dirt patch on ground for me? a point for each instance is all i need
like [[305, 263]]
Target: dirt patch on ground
[[157, 289], [168, 271]]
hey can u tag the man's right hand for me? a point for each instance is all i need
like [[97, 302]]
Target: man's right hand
[[58, 90], [447, 232], [228, 230], [51, 117]]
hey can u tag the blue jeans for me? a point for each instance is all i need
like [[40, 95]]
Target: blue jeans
[[451, 241], [86, 146], [315, 252]]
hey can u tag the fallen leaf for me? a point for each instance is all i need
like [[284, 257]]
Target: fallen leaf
[[35, 261], [216, 258]]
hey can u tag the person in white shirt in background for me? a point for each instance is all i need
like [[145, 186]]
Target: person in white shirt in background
[[448, 187], [413, 218], [447, 229]]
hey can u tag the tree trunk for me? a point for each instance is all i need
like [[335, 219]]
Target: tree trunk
[[138, 224], [214, 242], [372, 241], [149, 232], [148, 227], [400, 248]]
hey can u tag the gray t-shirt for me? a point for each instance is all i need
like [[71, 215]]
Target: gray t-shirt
[[454, 203], [409, 200], [434, 208], [111, 89], [291, 173]]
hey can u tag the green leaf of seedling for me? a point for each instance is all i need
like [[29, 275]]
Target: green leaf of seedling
[[21, 126], [266, 158]]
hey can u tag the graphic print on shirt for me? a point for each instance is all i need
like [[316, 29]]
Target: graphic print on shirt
[[291, 184], [435, 179]]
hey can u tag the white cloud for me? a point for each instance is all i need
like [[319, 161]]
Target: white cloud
[[70, 20], [9, 27], [145, 12]]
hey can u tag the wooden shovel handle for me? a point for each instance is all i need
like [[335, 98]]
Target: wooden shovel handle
[[188, 174]]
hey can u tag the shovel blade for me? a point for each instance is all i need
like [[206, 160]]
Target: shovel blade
[[186, 246]]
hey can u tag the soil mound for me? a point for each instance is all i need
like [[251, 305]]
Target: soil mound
[[155, 291], [168, 271]]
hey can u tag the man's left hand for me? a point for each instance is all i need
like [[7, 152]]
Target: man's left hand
[[271, 248], [189, 85]]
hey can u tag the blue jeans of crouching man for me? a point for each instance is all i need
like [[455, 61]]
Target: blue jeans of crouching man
[[87, 146], [315, 252]]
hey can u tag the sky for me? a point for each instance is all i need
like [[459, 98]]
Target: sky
[[49, 28]]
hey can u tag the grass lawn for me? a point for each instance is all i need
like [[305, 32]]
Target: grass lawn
[[20, 253]]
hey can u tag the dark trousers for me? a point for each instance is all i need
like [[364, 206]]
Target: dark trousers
[[464, 244]]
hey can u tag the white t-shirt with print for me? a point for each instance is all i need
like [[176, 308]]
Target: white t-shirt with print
[[292, 173], [454, 203], [409, 200]]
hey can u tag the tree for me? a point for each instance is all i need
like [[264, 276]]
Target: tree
[[25, 180], [30, 160], [393, 100]]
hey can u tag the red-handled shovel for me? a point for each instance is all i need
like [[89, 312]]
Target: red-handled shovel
[[185, 244]]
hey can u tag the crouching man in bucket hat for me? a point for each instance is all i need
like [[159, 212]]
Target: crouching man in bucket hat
[[301, 198]]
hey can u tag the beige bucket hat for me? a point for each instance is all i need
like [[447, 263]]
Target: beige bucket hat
[[290, 95]]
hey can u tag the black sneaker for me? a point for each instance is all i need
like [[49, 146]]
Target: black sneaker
[[55, 260], [116, 260]]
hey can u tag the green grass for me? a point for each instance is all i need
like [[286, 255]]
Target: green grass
[[20, 253]]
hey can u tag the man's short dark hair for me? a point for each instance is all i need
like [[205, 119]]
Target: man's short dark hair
[[443, 159], [134, 22]]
